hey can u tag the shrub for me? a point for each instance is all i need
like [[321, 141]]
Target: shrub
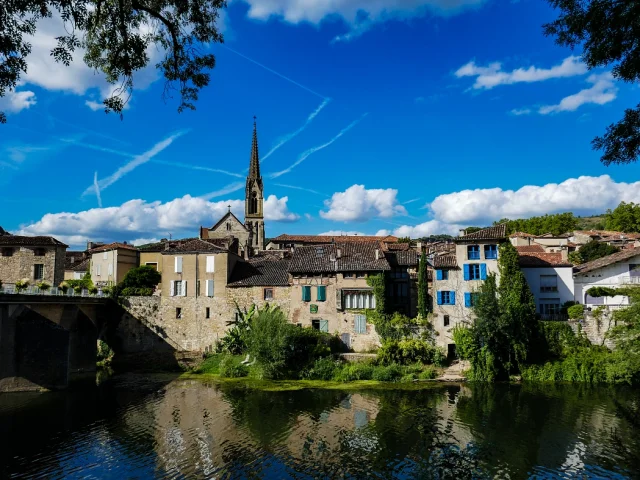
[[230, 367], [104, 353], [355, 371], [408, 377], [465, 343], [575, 312], [405, 352], [22, 284], [78, 288], [211, 364], [93, 290], [323, 369], [429, 373], [64, 286], [389, 373], [43, 286], [132, 291], [142, 277]]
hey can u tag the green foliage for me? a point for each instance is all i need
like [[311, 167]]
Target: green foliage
[[141, 277], [43, 286], [624, 218], [133, 292], [464, 340], [422, 286], [230, 367], [64, 287], [404, 240], [575, 312], [556, 224], [626, 333], [82, 284], [210, 365], [575, 257], [606, 34], [594, 250], [22, 285], [323, 368], [116, 37], [354, 371], [388, 373], [602, 292], [405, 352], [104, 354], [235, 340], [378, 283], [93, 290]]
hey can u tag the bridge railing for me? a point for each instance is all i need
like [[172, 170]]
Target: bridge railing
[[10, 289]]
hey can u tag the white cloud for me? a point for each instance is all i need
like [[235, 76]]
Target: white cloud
[[95, 106], [340, 233], [358, 204], [276, 209], [492, 75], [431, 227], [360, 15], [16, 101], [145, 220], [580, 195], [520, 111], [143, 241], [603, 91]]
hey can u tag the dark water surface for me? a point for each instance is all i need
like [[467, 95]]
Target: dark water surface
[[157, 427]]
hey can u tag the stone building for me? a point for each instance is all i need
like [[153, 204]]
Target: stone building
[[458, 278], [250, 234], [290, 242], [110, 263], [33, 258], [76, 265]]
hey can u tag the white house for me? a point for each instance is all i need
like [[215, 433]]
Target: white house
[[616, 270], [550, 278]]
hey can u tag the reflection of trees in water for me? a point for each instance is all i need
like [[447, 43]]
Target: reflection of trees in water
[[544, 425]]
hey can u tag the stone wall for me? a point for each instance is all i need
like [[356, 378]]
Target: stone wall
[[595, 326], [21, 264]]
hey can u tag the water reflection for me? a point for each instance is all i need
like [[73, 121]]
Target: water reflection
[[157, 427]]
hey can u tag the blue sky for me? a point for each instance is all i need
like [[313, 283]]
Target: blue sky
[[411, 117]]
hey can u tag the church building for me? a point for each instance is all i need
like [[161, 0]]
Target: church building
[[250, 234]]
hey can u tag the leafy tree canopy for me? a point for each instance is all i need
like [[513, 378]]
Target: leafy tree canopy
[[115, 35], [607, 31], [141, 277], [594, 250], [556, 224], [624, 218]]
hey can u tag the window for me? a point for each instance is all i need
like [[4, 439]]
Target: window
[[442, 274], [209, 286], [360, 324], [349, 275], [446, 297], [399, 272], [210, 263], [548, 283], [268, 293], [321, 293], [38, 271], [359, 299], [471, 299], [153, 265], [322, 325], [228, 227], [400, 290], [178, 288], [178, 312], [550, 306], [475, 271], [445, 320], [491, 252], [178, 264], [473, 252], [110, 269], [7, 252], [306, 293], [105, 255], [207, 312], [98, 269], [361, 275], [39, 252]]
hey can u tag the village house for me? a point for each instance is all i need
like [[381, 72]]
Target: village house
[[290, 242], [35, 259], [110, 263], [616, 270], [617, 239], [76, 265], [458, 279], [550, 278]]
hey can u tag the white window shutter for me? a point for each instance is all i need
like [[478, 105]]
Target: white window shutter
[[210, 263], [172, 288], [178, 264], [184, 288], [110, 269], [209, 288], [98, 269]]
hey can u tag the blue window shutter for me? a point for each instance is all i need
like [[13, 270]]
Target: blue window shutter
[[439, 298], [452, 296], [438, 274], [467, 299], [483, 271], [306, 293], [466, 271], [321, 293]]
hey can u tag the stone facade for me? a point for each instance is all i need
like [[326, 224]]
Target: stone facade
[[19, 262], [228, 226]]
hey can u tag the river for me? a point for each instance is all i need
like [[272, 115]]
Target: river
[[135, 426]]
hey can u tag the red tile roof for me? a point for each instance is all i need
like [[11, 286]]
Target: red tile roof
[[322, 239], [620, 256], [444, 261], [536, 259], [113, 246], [497, 232], [353, 257], [529, 248], [608, 233], [521, 235]]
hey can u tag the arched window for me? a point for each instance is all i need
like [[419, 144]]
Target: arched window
[[253, 203], [228, 226]]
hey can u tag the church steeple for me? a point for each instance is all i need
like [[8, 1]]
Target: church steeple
[[254, 198], [254, 164]]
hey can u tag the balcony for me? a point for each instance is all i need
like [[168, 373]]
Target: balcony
[[629, 280]]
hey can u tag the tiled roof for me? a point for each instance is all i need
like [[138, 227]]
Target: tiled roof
[[196, 246], [160, 246], [81, 266], [113, 246], [72, 259], [353, 257], [608, 233], [321, 239], [444, 261], [402, 258], [521, 235], [529, 248], [497, 232], [19, 240], [395, 246], [620, 256], [537, 259], [264, 270]]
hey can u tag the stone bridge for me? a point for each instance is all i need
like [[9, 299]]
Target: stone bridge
[[48, 341]]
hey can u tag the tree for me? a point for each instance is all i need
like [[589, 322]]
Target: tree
[[404, 240], [141, 277], [423, 305], [555, 224], [624, 218], [115, 36], [595, 249], [607, 31], [489, 339], [626, 333]]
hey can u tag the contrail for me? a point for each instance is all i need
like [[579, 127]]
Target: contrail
[[97, 147], [93, 132], [232, 187], [291, 135], [196, 167], [136, 162], [313, 150], [410, 201], [274, 72], [295, 187], [97, 188]]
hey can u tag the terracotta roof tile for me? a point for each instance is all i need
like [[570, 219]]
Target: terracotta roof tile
[[82, 266], [323, 239], [497, 232], [620, 256], [264, 270], [537, 259], [160, 246], [402, 258], [521, 235], [113, 246], [196, 246], [444, 261], [530, 248], [354, 256], [40, 241]]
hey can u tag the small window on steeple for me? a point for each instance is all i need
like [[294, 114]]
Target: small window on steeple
[[228, 226]]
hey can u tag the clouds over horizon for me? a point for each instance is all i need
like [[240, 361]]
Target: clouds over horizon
[[357, 204]]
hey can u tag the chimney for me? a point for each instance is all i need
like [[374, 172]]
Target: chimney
[[463, 232], [564, 253], [377, 254], [167, 245], [246, 251], [338, 253]]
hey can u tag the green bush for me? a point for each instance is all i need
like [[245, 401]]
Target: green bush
[[211, 364], [22, 284], [389, 373], [141, 277], [135, 292], [355, 371], [230, 367], [429, 373], [324, 368], [404, 352], [408, 377], [104, 353], [575, 312], [465, 344]]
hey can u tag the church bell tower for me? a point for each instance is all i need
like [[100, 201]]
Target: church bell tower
[[254, 198]]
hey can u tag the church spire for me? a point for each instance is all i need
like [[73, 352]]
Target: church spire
[[254, 165]]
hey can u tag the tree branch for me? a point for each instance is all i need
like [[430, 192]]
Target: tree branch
[[170, 27]]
